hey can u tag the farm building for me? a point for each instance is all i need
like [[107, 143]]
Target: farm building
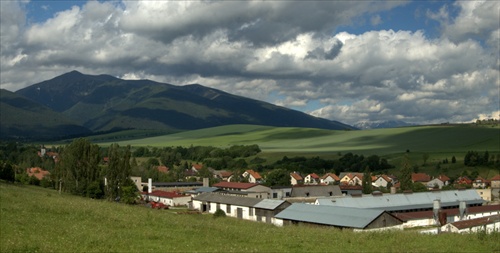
[[239, 207], [167, 198], [304, 191], [266, 209], [251, 190], [339, 217], [281, 192], [420, 201], [426, 218], [487, 224]]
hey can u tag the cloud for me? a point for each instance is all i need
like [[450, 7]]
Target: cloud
[[283, 52]]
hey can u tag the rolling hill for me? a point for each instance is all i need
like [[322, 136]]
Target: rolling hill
[[106, 103], [23, 119]]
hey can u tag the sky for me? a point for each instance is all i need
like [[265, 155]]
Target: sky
[[421, 62]]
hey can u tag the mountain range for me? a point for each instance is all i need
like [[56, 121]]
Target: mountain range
[[76, 104]]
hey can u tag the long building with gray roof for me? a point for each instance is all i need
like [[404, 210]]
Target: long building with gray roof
[[340, 217], [420, 201]]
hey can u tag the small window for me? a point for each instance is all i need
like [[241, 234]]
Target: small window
[[251, 211], [228, 208]]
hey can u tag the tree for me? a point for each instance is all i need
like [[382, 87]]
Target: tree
[[453, 159], [367, 181], [118, 171], [425, 156], [406, 171], [278, 177], [78, 166]]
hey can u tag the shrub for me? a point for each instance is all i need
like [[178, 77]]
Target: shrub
[[219, 213]]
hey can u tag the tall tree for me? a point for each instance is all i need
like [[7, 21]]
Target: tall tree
[[367, 181], [118, 171], [78, 166], [406, 171]]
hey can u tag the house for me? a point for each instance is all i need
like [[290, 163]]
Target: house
[[222, 175], [314, 191], [420, 178], [381, 181], [349, 178], [196, 168], [162, 169], [480, 182], [37, 172], [239, 207], [329, 178], [251, 190], [339, 217], [175, 186], [138, 182], [487, 224], [463, 181], [312, 178], [444, 179], [435, 183], [485, 193], [296, 178], [266, 209], [495, 182], [419, 201], [167, 198], [351, 189], [426, 218], [280, 192], [253, 176]]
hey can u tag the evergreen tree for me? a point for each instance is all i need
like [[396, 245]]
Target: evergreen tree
[[118, 171], [453, 159], [406, 171], [367, 181]]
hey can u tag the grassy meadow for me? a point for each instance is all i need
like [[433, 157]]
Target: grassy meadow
[[439, 142], [441, 138], [34, 219]]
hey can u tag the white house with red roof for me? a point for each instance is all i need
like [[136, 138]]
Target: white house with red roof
[[420, 178], [480, 182], [296, 178], [349, 178], [253, 176], [196, 168], [329, 178], [312, 178], [381, 181], [167, 198]]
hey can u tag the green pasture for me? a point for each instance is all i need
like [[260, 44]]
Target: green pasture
[[34, 219], [431, 139]]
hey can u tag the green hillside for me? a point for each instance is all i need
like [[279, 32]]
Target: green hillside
[[34, 219], [432, 139]]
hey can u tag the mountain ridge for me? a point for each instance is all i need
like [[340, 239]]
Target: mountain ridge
[[105, 103]]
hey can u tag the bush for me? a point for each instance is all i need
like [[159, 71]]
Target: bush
[[219, 213]]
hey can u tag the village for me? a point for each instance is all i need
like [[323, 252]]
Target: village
[[335, 201]]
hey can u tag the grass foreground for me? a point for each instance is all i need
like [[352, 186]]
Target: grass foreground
[[34, 219]]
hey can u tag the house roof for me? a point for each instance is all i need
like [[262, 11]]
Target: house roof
[[449, 212], [235, 185], [197, 166], [396, 202], [330, 215], [314, 175], [420, 177], [162, 168], [464, 180], [315, 191], [177, 184], [269, 204], [37, 172], [254, 174], [479, 179], [476, 222], [164, 194], [296, 176], [495, 178], [335, 177], [443, 178], [206, 189], [350, 175], [225, 199]]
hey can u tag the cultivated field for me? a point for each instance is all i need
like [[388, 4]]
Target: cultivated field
[[35, 219], [445, 138]]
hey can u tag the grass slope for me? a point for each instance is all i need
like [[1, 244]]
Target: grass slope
[[33, 219], [430, 139]]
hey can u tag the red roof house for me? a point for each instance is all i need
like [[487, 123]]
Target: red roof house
[[37, 172]]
